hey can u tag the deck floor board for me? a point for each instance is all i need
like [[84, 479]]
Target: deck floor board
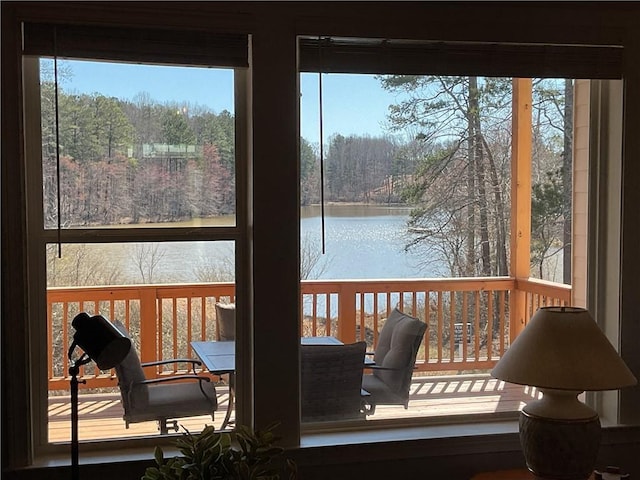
[[100, 414]]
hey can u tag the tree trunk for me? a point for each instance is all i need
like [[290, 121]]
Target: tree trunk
[[502, 268], [471, 192], [483, 226], [567, 177]]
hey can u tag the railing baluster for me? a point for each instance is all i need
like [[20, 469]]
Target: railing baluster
[[452, 320], [503, 322], [50, 367], [489, 337], [363, 315], [189, 326], [440, 319], [376, 319], [314, 299], [174, 327], [476, 325], [160, 332], [465, 322], [65, 338], [203, 318]]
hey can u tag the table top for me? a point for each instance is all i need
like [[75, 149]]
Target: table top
[[220, 357]]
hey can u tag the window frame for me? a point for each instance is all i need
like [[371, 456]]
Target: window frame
[[39, 236], [606, 152], [274, 31]]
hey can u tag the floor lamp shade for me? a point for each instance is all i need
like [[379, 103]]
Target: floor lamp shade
[[100, 340], [562, 352]]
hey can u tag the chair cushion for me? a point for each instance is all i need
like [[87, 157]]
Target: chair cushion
[[398, 363], [226, 315], [177, 399], [146, 402], [384, 339], [379, 392], [130, 374]]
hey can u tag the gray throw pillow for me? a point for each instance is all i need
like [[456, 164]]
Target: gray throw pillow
[[130, 375]]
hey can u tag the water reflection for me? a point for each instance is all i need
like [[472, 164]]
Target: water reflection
[[362, 242]]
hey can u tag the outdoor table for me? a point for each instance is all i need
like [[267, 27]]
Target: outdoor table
[[220, 358]]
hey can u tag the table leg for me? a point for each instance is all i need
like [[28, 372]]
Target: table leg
[[227, 416]]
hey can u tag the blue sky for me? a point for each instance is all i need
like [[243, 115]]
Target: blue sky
[[353, 104]]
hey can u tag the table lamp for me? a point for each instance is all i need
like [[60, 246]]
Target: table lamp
[[101, 342], [563, 352]]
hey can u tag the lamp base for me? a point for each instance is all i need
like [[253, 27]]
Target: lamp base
[[560, 449]]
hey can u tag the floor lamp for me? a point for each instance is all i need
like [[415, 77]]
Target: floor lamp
[[101, 342]]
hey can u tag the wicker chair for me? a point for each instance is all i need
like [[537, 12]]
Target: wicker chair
[[395, 358], [331, 379], [162, 399]]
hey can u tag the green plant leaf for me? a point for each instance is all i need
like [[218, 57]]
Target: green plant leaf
[[243, 454], [158, 455]]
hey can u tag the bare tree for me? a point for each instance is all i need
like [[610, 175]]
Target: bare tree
[[146, 257], [219, 268], [81, 265], [312, 262], [457, 183]]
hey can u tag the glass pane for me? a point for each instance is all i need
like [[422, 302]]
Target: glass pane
[[88, 265], [417, 190], [139, 145], [164, 294]]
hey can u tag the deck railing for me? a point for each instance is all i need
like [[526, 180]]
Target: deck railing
[[469, 318]]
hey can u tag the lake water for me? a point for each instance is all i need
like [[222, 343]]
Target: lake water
[[361, 242]]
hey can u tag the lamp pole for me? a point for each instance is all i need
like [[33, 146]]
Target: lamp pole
[[101, 342], [74, 371]]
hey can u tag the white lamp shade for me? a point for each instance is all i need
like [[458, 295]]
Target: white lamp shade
[[563, 348]]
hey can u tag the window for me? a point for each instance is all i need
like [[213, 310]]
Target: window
[[440, 164], [273, 87], [137, 212]]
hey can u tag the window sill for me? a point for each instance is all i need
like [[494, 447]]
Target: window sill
[[497, 442], [463, 437], [395, 434]]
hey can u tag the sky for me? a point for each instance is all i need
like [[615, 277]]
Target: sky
[[352, 104]]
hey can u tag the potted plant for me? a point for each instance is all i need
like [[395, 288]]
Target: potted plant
[[242, 454]]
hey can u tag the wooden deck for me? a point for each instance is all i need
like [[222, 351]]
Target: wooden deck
[[432, 396]]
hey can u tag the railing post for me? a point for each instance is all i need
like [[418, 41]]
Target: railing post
[[347, 313], [520, 199], [148, 327]]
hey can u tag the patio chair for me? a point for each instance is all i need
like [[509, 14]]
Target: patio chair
[[226, 329], [395, 358], [162, 399], [226, 321], [331, 379]]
